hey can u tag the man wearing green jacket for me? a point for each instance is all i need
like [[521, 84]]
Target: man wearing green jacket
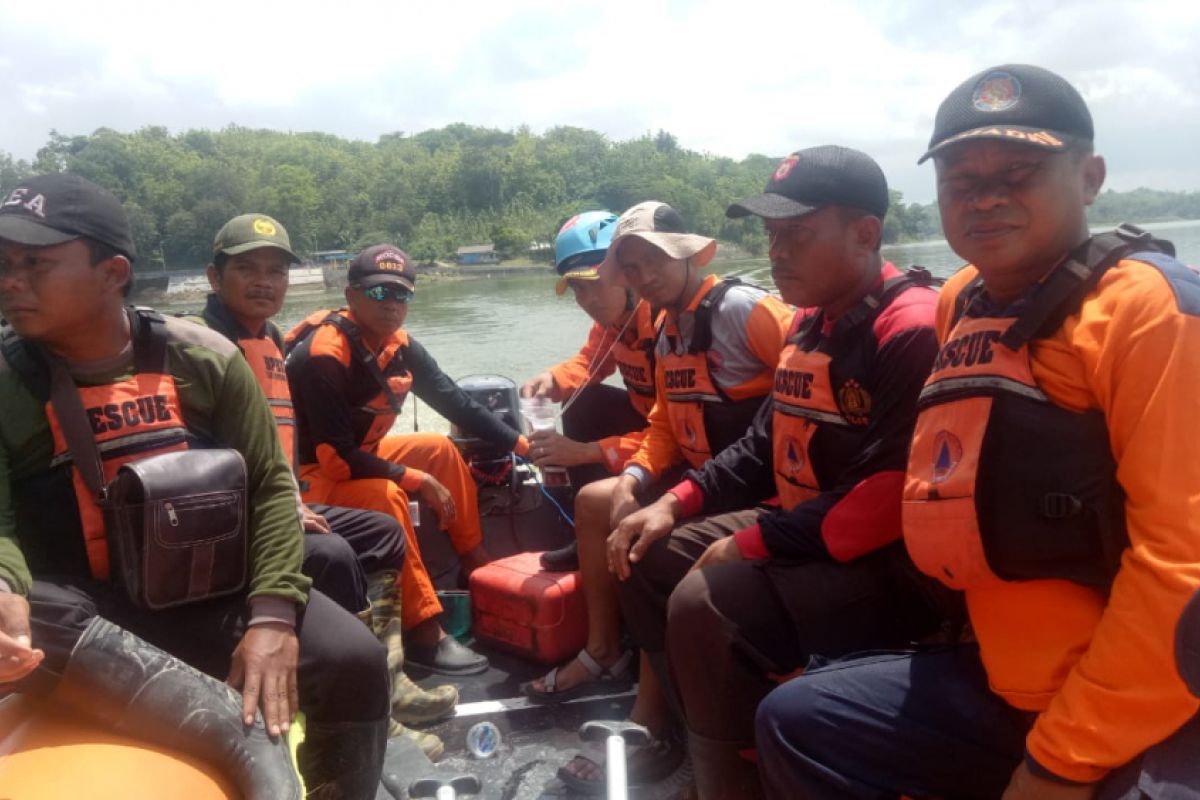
[[65, 267]]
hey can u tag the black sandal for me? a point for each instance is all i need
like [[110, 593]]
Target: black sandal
[[644, 764]]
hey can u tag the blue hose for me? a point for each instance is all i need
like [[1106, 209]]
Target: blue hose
[[549, 496]]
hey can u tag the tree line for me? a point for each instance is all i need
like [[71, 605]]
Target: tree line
[[435, 191]]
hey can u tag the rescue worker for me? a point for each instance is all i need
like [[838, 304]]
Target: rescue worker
[[714, 361], [824, 571], [1052, 480], [249, 278], [602, 424], [65, 266], [350, 371]]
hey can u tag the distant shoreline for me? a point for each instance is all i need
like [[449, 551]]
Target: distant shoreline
[[442, 271]]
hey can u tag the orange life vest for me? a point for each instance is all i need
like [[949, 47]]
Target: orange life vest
[[375, 417], [264, 354], [821, 398], [635, 359], [266, 361], [131, 419], [704, 418], [1003, 484]]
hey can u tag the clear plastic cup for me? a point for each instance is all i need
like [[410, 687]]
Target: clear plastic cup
[[540, 415]]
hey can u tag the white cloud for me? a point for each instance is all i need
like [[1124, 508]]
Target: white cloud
[[727, 78]]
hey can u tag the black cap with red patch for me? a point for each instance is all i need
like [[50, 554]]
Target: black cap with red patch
[[383, 263], [809, 180], [1016, 103]]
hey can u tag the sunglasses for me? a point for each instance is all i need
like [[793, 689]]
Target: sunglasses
[[388, 291]]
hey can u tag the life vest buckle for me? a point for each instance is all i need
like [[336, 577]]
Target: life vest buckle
[[1057, 505]]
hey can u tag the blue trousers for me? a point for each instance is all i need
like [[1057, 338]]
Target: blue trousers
[[925, 725]]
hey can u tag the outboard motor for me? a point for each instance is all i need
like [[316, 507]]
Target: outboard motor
[[490, 464]]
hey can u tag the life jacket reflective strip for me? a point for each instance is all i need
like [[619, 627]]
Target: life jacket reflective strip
[[131, 419], [635, 360], [1003, 484], [393, 389], [804, 401], [695, 401]]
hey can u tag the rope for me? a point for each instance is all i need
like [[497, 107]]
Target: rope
[[598, 359]]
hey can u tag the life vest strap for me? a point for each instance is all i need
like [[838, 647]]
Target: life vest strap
[[1062, 291]]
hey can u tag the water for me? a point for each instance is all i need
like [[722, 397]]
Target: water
[[517, 326]]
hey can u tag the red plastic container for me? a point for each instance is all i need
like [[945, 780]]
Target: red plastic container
[[519, 607]]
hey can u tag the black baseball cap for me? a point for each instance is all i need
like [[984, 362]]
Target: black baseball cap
[[809, 180], [52, 209], [1014, 102], [383, 263]]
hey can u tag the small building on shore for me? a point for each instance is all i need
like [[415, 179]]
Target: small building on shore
[[478, 254]]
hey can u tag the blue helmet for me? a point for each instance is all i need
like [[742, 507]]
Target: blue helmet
[[581, 245], [583, 240]]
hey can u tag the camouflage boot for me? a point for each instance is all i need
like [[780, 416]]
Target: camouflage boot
[[430, 744], [410, 703]]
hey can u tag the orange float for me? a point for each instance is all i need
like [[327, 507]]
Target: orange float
[[47, 754]]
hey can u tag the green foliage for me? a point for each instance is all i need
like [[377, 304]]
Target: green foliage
[[438, 190], [1144, 205]]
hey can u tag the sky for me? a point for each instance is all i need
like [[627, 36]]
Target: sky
[[726, 78]]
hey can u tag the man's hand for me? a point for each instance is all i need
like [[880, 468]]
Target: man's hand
[[439, 499], [638, 531], [264, 670], [550, 448], [623, 501], [718, 552], [17, 657], [1024, 785], [313, 522], [541, 386]]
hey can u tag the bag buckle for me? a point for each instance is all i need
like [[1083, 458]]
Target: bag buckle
[[1057, 505]]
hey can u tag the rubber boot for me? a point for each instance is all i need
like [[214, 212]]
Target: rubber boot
[[410, 703], [431, 745], [343, 760], [131, 687], [721, 772]]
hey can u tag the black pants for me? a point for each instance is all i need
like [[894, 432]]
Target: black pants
[[729, 627], [361, 543], [342, 673], [598, 411]]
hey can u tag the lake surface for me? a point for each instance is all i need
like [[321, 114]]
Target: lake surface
[[517, 326]]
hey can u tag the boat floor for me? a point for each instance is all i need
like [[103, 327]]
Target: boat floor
[[536, 739]]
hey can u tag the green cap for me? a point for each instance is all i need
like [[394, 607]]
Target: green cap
[[250, 232]]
